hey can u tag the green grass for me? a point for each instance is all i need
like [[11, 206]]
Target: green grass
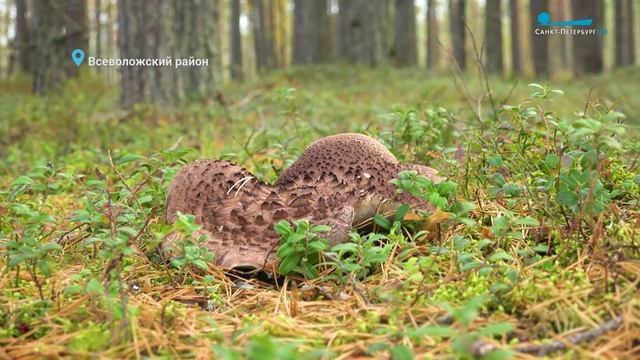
[[82, 118], [541, 239]]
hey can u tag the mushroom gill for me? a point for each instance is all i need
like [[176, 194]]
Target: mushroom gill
[[339, 181]]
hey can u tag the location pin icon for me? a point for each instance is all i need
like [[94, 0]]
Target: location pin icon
[[77, 56]]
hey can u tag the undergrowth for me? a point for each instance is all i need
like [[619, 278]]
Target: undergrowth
[[536, 235]]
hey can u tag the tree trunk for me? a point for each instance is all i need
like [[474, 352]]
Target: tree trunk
[[236, 41], [279, 31], [405, 33], [588, 49], [76, 34], [303, 32], [162, 29], [631, 52], [49, 66], [256, 9], [23, 44], [311, 38], [539, 42], [98, 12], [144, 32], [273, 24], [385, 29], [432, 35], [620, 36], [493, 36], [321, 25], [624, 39], [343, 28], [197, 37], [361, 37], [516, 64], [59, 27], [458, 31], [111, 49], [263, 33], [562, 8]]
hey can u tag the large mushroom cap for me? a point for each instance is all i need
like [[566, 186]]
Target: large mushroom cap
[[345, 156], [357, 165], [339, 180], [219, 194]]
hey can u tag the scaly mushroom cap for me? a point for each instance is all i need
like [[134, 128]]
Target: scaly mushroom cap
[[356, 165], [339, 181]]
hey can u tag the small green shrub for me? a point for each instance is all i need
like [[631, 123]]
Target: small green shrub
[[301, 247]]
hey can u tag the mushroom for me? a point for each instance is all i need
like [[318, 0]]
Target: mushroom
[[340, 181]]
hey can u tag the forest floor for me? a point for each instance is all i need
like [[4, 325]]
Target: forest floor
[[540, 253]]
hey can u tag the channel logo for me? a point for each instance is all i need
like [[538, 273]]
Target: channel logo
[[544, 19]]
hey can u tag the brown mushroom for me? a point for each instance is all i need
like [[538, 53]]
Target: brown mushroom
[[339, 180]]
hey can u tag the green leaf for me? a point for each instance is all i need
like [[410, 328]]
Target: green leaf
[[22, 180], [382, 221], [201, 264], [498, 179], [94, 286], [460, 242], [401, 212], [588, 123], [526, 221], [310, 272], [495, 160], [483, 243], [552, 161], [45, 268], [317, 246], [302, 226], [95, 183], [127, 231], [492, 330], [283, 228], [289, 263], [611, 142], [485, 271], [589, 159], [345, 247], [498, 354], [464, 257], [317, 229], [511, 189], [501, 255], [226, 353], [447, 188], [470, 265], [145, 199], [73, 289], [261, 347], [178, 263], [285, 250], [541, 248], [434, 331], [49, 246], [296, 238], [436, 200], [351, 267], [126, 158], [469, 311], [401, 352], [567, 198]]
